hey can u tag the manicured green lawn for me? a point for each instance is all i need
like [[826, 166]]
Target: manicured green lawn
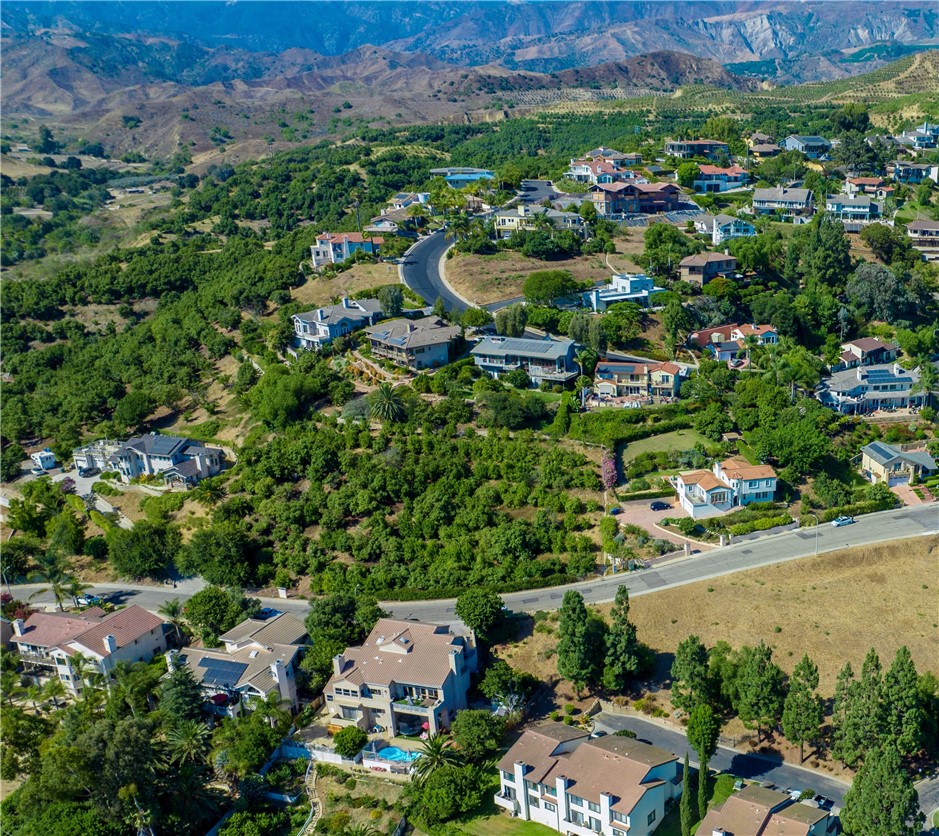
[[490, 820], [677, 440]]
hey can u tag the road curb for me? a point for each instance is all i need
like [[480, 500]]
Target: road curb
[[442, 272]]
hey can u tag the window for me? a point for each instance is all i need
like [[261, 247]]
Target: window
[[534, 802], [594, 808], [620, 817], [595, 824], [508, 776], [651, 817], [550, 807], [575, 800]]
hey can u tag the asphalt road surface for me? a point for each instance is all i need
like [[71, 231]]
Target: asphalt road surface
[[753, 767], [536, 191], [421, 272]]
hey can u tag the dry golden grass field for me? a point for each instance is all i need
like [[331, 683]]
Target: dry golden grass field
[[322, 291]]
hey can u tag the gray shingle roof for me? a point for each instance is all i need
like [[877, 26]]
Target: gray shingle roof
[[504, 346]]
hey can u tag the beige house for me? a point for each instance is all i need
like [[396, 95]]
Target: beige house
[[407, 677], [557, 776], [415, 344], [700, 268], [756, 811], [896, 464]]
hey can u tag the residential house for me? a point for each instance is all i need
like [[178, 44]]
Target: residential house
[[460, 177], [735, 343], [658, 197], [865, 351], [723, 228], [45, 458], [924, 236], [896, 464], [712, 178], [730, 484], [688, 149], [913, 173], [920, 139], [546, 360], [525, 217], [598, 171], [703, 338], [700, 268], [557, 776], [178, 460], [854, 211], [866, 389], [261, 656], [49, 642], [764, 151], [624, 287], [425, 343], [402, 200], [612, 199], [863, 185], [788, 202], [612, 156], [813, 147], [759, 138], [336, 247], [318, 328], [645, 381], [757, 811], [394, 222], [405, 678]]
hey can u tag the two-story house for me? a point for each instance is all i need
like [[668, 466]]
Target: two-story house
[[729, 349], [643, 381], [757, 811], [913, 174], [790, 203], [546, 360], [924, 238], [48, 642], [624, 287], [402, 200], [599, 171], [336, 247], [418, 344], [406, 677], [723, 227], [178, 460], [863, 185], [712, 178], [700, 268], [261, 656], [525, 217], [458, 177], [865, 351], [920, 139], [730, 484], [813, 147], [687, 149], [856, 210], [896, 464], [557, 776], [764, 151], [315, 329], [866, 389]]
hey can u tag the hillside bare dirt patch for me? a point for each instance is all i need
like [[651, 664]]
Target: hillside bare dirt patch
[[322, 291]]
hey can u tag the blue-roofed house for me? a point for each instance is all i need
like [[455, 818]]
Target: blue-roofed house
[[866, 389], [458, 177], [896, 464], [546, 360]]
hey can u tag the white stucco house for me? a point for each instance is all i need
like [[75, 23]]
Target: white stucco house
[[729, 485]]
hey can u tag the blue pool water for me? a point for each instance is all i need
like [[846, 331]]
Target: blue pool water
[[393, 753]]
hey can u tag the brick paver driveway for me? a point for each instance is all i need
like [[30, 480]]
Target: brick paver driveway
[[639, 513]]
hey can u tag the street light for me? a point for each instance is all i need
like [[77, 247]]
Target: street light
[[816, 532]]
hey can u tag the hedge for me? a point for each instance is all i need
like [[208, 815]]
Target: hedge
[[409, 594], [629, 497], [612, 427], [759, 525], [856, 509]]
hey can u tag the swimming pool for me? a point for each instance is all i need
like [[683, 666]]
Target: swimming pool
[[393, 753]]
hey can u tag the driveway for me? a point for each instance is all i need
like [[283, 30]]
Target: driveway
[[906, 495], [743, 765], [639, 513]]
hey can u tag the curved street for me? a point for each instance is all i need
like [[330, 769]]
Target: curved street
[[420, 271]]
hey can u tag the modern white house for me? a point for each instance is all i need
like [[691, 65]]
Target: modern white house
[[178, 460], [543, 360], [405, 678], [315, 329], [730, 484], [865, 389], [49, 642], [260, 657], [624, 287], [723, 228], [336, 247], [857, 209], [557, 776], [45, 458]]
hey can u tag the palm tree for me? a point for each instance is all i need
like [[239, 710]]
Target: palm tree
[[209, 492], [436, 751], [34, 694], [54, 690], [53, 570], [172, 610], [928, 382], [188, 742], [75, 587], [585, 358], [459, 227], [272, 709], [10, 685], [386, 404], [359, 830]]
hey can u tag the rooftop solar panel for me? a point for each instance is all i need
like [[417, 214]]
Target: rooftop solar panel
[[222, 671]]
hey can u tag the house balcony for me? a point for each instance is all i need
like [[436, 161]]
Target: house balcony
[[505, 802], [40, 659]]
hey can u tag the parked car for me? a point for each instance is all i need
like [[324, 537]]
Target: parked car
[[659, 506], [597, 734], [823, 802], [89, 600], [837, 522], [614, 511], [794, 794], [88, 471], [38, 471]]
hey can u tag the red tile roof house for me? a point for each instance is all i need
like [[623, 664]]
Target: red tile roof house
[[731, 484], [336, 247], [557, 776], [48, 642], [715, 179]]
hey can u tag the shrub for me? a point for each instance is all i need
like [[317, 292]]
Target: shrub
[[569, 709], [349, 741]]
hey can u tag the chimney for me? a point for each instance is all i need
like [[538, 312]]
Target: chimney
[[345, 302], [19, 627], [170, 661], [454, 664], [339, 662], [110, 644], [285, 687]]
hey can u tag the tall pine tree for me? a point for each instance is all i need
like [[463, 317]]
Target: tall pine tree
[[690, 675], [703, 730], [902, 712], [762, 691], [802, 710], [622, 646], [882, 800], [684, 805], [844, 742]]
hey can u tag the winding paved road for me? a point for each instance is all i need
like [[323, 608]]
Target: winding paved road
[[420, 271]]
